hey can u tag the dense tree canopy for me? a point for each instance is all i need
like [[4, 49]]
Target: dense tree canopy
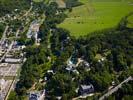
[[7, 6]]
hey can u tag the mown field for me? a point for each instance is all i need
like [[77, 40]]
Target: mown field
[[94, 16]]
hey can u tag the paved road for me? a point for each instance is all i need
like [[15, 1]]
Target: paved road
[[8, 50], [116, 88], [4, 34], [27, 12]]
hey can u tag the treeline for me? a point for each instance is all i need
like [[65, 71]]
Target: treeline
[[72, 3], [8, 6]]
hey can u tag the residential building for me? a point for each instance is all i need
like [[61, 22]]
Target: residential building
[[13, 60], [34, 96], [86, 89]]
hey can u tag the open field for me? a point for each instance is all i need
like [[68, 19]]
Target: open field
[[94, 16], [130, 21], [37, 0]]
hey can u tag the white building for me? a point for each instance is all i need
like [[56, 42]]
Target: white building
[[13, 60], [33, 30]]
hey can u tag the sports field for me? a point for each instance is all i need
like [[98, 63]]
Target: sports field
[[94, 16]]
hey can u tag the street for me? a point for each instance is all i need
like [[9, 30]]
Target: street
[[115, 88]]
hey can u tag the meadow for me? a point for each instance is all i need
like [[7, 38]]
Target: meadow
[[94, 16], [37, 0], [130, 21]]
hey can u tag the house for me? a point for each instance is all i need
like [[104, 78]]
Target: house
[[34, 96], [33, 30], [37, 95], [86, 89], [13, 60], [49, 74], [86, 65], [50, 71], [72, 69]]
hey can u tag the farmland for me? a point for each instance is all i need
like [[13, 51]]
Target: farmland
[[94, 16]]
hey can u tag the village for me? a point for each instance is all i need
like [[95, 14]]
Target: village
[[12, 55], [11, 59]]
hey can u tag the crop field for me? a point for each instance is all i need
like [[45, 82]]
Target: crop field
[[94, 16]]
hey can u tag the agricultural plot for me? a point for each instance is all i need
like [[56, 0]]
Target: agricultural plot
[[94, 16]]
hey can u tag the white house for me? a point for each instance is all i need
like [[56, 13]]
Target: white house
[[13, 60]]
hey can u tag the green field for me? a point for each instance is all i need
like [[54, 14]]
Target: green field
[[94, 16], [130, 21], [37, 0]]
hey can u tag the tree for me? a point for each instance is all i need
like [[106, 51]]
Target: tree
[[13, 96]]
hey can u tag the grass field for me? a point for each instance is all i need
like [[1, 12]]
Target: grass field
[[94, 16], [37, 0], [130, 21]]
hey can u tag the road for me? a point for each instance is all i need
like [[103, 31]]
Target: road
[[116, 88], [7, 27], [24, 15], [4, 34], [8, 50]]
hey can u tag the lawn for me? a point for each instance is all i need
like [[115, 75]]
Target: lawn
[[94, 16]]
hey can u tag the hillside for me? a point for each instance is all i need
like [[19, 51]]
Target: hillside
[[7, 6]]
